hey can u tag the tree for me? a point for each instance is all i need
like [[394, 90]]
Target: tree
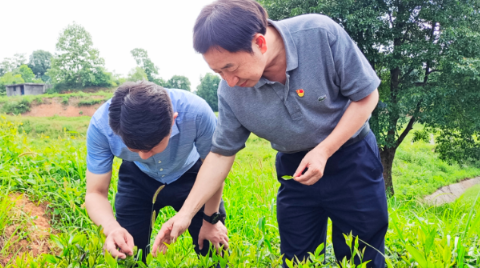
[[179, 82], [40, 62], [26, 74], [141, 57], [137, 74], [208, 90], [76, 63], [9, 79], [10, 64], [426, 53]]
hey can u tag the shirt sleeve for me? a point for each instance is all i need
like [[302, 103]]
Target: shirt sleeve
[[356, 77], [205, 125], [230, 135], [99, 155]]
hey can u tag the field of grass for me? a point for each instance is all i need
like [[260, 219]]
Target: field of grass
[[52, 169]]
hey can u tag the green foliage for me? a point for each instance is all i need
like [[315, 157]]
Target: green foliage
[[178, 82], [137, 74], [26, 73], [10, 64], [40, 62], [9, 79], [53, 169], [143, 61], [76, 63], [16, 107], [208, 90], [428, 62]]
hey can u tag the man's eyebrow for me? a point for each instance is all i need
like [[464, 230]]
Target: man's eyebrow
[[227, 66]]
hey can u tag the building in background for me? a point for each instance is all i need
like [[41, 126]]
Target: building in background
[[26, 89]]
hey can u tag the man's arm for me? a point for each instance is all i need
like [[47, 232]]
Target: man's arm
[[100, 211], [355, 116], [209, 182]]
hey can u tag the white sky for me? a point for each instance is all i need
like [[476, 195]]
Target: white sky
[[162, 27]]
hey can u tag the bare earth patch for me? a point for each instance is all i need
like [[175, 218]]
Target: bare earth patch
[[55, 107], [450, 193], [32, 224]]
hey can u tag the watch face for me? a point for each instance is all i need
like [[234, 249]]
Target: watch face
[[215, 218]]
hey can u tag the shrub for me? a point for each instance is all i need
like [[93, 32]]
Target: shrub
[[16, 107]]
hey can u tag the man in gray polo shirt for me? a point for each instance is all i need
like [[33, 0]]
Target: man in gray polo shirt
[[302, 84]]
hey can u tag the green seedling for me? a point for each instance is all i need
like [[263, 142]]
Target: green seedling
[[287, 177]]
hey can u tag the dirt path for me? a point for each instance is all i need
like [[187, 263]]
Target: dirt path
[[31, 222], [450, 193]]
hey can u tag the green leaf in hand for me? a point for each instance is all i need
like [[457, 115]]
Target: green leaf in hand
[[287, 177]]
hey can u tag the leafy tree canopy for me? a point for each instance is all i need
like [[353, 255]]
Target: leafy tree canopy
[[141, 58], [137, 74], [179, 82], [76, 63], [208, 90], [426, 52], [10, 64], [40, 62]]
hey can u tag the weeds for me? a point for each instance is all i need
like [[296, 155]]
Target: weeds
[[53, 170]]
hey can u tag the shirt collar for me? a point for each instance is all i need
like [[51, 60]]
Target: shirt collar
[[290, 50], [174, 129]]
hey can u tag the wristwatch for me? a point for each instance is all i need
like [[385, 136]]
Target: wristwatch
[[214, 218]]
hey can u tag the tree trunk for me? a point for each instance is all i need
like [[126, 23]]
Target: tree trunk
[[387, 155]]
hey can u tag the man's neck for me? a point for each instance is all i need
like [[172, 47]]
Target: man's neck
[[276, 67]]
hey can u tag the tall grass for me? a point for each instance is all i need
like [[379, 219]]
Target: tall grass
[[53, 170]]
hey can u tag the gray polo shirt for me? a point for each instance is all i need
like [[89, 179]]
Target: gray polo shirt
[[323, 61]]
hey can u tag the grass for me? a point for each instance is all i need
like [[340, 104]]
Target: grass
[[51, 127], [53, 170]]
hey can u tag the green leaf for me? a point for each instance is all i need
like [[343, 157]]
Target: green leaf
[[287, 177], [417, 255]]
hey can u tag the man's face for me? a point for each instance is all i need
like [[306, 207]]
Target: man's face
[[241, 68], [160, 147]]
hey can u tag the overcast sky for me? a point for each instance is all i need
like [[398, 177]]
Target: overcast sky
[[164, 28]]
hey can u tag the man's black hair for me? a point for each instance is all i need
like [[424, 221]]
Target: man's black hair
[[141, 114], [229, 24]]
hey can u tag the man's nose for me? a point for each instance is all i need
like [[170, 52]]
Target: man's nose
[[231, 80], [144, 155]]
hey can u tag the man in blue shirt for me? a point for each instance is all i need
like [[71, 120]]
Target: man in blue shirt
[[302, 84], [162, 135]]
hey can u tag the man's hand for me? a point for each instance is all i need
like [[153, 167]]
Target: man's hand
[[215, 233], [119, 238], [315, 161], [170, 231]]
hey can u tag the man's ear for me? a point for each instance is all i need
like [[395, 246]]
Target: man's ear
[[260, 41], [174, 117]]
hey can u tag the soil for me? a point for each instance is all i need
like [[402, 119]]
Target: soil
[[450, 193], [36, 226], [55, 107]]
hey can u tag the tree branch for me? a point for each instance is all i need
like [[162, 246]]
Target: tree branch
[[409, 126]]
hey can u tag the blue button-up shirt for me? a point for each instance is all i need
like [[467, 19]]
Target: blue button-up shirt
[[190, 139]]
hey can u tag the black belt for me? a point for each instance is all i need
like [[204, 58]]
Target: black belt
[[359, 137]]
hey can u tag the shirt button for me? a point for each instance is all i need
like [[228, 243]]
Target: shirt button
[[161, 169], [159, 162]]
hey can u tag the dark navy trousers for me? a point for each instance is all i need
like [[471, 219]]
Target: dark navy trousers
[[351, 193], [133, 203]]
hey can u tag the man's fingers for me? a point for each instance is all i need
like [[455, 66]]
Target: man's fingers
[[129, 240], [120, 242], [300, 168], [111, 248], [310, 172], [225, 243], [200, 242]]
